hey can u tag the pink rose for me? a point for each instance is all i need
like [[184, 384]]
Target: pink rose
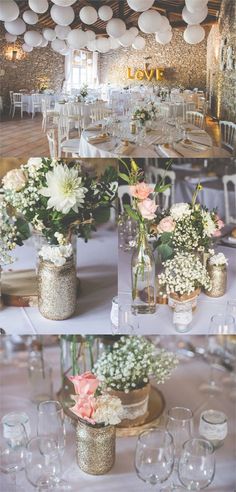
[[217, 233], [147, 208], [219, 224], [85, 408], [85, 384], [140, 191], [14, 180], [166, 225]]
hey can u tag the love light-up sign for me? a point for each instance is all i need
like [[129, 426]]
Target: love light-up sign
[[145, 74]]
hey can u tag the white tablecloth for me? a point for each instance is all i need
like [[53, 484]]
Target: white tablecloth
[[27, 100], [161, 321], [63, 109], [97, 270], [108, 148], [187, 378]]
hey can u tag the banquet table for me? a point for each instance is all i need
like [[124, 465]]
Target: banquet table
[[27, 100], [97, 271], [188, 376], [161, 322], [153, 144]]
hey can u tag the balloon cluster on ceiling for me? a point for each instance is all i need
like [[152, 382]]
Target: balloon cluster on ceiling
[[63, 37]]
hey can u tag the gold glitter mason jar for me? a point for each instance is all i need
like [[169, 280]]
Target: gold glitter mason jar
[[218, 276], [57, 289], [95, 447]]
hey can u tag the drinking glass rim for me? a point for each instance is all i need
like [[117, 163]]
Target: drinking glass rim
[[199, 439], [223, 315], [41, 403], [214, 423], [179, 419], [38, 438], [155, 429]]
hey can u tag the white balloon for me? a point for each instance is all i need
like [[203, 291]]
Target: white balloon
[[27, 48], [62, 32], [90, 35], [103, 45], [116, 28], [139, 43], [43, 43], [127, 39], [134, 30], [114, 43], [195, 5], [105, 13], [196, 17], [165, 26], [9, 10], [77, 38], [140, 5], [164, 37], [39, 6], [92, 45], [15, 27], [88, 15], [150, 21], [64, 3], [49, 34], [62, 15], [33, 38], [58, 45], [65, 52], [10, 37], [194, 34], [30, 17]]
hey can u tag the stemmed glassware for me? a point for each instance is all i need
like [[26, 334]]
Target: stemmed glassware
[[51, 423], [154, 457], [197, 464], [128, 321], [43, 464], [180, 426], [12, 454]]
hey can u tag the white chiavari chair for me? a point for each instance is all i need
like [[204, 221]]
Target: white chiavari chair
[[66, 145], [52, 142], [230, 208], [18, 104], [195, 118], [156, 174], [50, 116], [228, 135], [98, 111], [36, 104], [11, 101]]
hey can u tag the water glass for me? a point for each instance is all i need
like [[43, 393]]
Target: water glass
[[43, 465], [40, 378], [154, 456], [128, 320], [222, 324], [51, 423], [197, 464], [12, 457], [180, 426], [231, 308]]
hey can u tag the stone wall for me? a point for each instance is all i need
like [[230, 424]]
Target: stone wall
[[40, 67], [184, 64], [222, 83]]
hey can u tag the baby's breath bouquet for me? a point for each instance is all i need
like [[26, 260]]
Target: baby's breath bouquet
[[131, 362], [13, 232], [56, 198], [147, 113], [183, 274]]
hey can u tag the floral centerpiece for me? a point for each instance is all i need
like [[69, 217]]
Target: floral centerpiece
[[142, 210], [186, 227], [58, 200], [126, 370], [145, 113], [84, 91], [13, 231], [217, 271], [183, 277], [97, 415]]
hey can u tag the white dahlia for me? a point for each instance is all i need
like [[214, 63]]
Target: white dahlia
[[64, 189], [180, 210]]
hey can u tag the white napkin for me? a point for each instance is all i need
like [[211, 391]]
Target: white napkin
[[167, 151], [93, 128], [98, 139]]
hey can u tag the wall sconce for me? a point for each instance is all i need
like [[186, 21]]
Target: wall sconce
[[14, 55]]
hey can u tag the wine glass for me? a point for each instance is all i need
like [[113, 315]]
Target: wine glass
[[231, 308], [12, 453], [230, 352], [43, 465], [51, 423], [154, 456], [222, 324], [197, 464], [180, 426]]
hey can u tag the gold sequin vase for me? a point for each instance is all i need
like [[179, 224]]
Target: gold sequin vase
[[218, 276], [57, 289], [95, 447]]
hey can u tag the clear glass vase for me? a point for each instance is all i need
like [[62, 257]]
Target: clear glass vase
[[143, 276]]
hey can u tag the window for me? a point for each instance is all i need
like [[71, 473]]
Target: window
[[83, 69]]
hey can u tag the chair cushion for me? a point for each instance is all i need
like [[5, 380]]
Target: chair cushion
[[70, 144]]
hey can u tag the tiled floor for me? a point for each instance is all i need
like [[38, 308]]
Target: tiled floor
[[25, 138]]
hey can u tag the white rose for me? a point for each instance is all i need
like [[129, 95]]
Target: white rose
[[35, 163], [14, 180], [179, 210]]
